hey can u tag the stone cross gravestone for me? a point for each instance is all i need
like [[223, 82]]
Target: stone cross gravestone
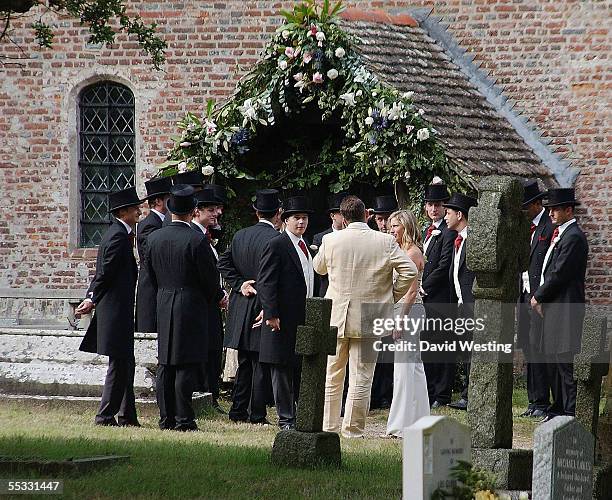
[[307, 445], [432, 446], [562, 461]]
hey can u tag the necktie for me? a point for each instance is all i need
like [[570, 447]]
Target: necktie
[[458, 241], [302, 246], [533, 227], [131, 238], [430, 230], [555, 234]]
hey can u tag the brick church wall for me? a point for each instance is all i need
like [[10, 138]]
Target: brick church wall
[[550, 57]]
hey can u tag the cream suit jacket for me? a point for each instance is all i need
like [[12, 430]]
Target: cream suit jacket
[[359, 263]]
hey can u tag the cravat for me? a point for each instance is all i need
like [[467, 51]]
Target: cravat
[[430, 230], [302, 246], [555, 234], [533, 227], [458, 241]]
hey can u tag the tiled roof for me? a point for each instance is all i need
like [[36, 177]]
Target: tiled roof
[[475, 136]]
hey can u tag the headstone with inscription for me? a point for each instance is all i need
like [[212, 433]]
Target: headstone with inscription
[[562, 461], [432, 446]]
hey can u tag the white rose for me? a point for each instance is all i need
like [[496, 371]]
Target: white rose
[[208, 170], [185, 144], [421, 112], [285, 34], [359, 93], [422, 134], [182, 167], [408, 95], [320, 36], [369, 120], [436, 232], [340, 53], [282, 64], [332, 74], [437, 180]]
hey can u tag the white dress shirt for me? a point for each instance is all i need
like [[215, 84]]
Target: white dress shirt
[[562, 228], [159, 214], [305, 261], [266, 221], [525, 275], [428, 240], [457, 259], [127, 226]]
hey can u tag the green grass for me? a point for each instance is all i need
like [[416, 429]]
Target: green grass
[[224, 460]]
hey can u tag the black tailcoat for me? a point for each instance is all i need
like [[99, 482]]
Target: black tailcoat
[[240, 263], [438, 259], [111, 331], [562, 293], [182, 270], [321, 282], [145, 294], [282, 291]]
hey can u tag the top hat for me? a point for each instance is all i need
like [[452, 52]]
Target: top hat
[[532, 193], [158, 187], [296, 205], [385, 204], [266, 200], [206, 196], [461, 202], [220, 193], [560, 196], [436, 192], [194, 178], [124, 198], [335, 200], [182, 200]]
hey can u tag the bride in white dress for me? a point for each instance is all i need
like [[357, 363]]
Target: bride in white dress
[[410, 399]]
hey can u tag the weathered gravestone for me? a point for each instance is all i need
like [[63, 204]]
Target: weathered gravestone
[[432, 446], [499, 250], [562, 461], [307, 445]]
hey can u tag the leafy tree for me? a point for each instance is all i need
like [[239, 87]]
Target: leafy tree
[[104, 18]]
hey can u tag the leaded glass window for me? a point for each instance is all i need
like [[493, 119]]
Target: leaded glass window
[[106, 153]]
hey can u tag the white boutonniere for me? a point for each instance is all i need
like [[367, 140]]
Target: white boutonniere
[[436, 232]]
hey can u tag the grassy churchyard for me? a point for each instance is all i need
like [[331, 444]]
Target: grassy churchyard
[[223, 460]]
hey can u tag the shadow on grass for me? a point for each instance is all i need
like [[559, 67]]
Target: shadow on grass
[[182, 469]]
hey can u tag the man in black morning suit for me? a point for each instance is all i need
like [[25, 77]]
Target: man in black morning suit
[[158, 192], [560, 299], [529, 331], [284, 281], [205, 217], [461, 279], [111, 293], [239, 266], [182, 269], [438, 248], [337, 224], [193, 178]]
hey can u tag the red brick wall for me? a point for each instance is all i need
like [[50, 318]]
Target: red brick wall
[[550, 57]]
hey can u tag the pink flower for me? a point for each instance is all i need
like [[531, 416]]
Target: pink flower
[[298, 77], [313, 30], [307, 57], [317, 78], [289, 52]]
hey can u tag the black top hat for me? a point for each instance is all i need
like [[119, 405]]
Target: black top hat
[[220, 193], [182, 200], [158, 187], [266, 200], [296, 205], [194, 178], [385, 204], [532, 192], [461, 202], [436, 192], [124, 198], [206, 197], [560, 196], [335, 200]]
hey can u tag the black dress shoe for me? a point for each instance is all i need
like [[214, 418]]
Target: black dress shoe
[[527, 413], [547, 418], [437, 404], [462, 404], [187, 427], [537, 413], [107, 423]]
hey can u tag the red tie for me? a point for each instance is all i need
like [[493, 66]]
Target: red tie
[[458, 241], [555, 234], [430, 230], [302, 245], [533, 227]]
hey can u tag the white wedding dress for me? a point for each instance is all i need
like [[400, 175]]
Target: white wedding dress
[[410, 398]]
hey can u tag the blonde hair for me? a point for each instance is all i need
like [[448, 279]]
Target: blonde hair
[[412, 230]]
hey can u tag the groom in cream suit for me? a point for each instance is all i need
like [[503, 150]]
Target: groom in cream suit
[[359, 263]]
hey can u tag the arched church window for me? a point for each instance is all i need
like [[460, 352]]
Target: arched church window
[[106, 153]]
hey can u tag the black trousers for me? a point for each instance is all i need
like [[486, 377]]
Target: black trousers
[[175, 385], [538, 385], [283, 387], [251, 387], [118, 393], [440, 378], [382, 383], [563, 386]]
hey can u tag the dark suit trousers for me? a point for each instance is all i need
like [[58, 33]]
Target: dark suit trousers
[[174, 387], [382, 383], [440, 378], [284, 395], [118, 392], [563, 386], [250, 388]]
